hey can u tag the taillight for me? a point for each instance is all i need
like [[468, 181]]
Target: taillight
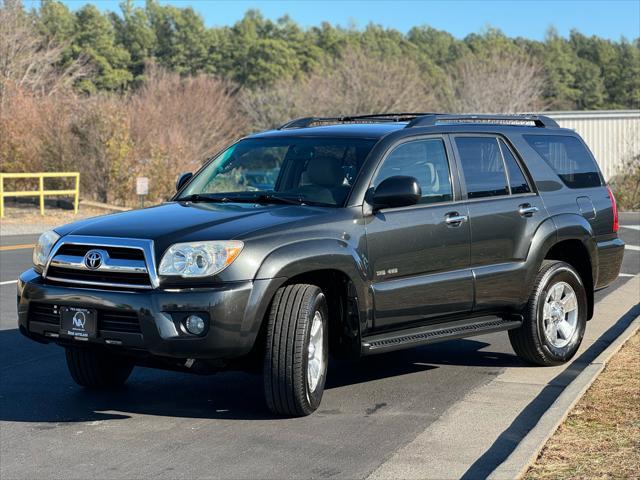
[[614, 207]]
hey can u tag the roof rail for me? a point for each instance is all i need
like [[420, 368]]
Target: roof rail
[[430, 120], [370, 118]]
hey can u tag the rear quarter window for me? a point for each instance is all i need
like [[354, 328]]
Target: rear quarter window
[[569, 157]]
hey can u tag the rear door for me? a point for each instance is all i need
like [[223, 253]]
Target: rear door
[[418, 256], [504, 213]]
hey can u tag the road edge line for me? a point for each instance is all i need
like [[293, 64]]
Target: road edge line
[[526, 453]]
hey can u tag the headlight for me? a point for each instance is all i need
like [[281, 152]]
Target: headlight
[[43, 248], [199, 259]]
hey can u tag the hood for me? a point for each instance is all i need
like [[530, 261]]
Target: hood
[[184, 221]]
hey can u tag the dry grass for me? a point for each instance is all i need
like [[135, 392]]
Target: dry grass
[[601, 437]]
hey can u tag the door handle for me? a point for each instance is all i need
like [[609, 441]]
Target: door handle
[[527, 210], [454, 219]]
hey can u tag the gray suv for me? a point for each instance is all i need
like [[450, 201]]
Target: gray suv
[[347, 236]]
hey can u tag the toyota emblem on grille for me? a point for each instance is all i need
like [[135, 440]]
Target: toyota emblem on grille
[[93, 259]]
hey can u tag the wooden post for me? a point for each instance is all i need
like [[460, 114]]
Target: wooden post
[[41, 179]]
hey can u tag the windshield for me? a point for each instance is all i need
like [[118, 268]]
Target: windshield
[[319, 171]]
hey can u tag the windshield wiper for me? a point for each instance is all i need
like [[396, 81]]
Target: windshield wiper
[[265, 197], [199, 197], [274, 198]]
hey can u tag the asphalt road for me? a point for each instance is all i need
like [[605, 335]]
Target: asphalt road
[[171, 425]]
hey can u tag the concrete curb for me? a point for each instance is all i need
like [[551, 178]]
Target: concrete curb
[[527, 451]]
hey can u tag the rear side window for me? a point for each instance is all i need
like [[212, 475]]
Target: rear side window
[[426, 161], [482, 166], [517, 180], [568, 157]]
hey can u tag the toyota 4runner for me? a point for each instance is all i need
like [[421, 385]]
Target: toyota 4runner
[[347, 236]]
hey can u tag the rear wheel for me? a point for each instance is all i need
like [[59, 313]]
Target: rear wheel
[[97, 369], [297, 350], [555, 317]]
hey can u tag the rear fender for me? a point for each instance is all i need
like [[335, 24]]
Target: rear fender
[[576, 227], [553, 231]]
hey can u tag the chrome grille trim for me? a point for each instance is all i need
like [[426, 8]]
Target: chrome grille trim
[[109, 264], [72, 262], [100, 284]]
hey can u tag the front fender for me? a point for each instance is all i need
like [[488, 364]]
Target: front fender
[[307, 256], [318, 254]]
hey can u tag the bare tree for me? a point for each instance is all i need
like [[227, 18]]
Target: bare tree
[[355, 83], [176, 123], [28, 61], [500, 82]]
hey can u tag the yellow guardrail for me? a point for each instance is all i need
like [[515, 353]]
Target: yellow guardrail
[[41, 192]]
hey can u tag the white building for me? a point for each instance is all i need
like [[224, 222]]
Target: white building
[[612, 135]]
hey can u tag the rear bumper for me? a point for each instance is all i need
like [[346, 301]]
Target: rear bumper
[[235, 312], [610, 254]]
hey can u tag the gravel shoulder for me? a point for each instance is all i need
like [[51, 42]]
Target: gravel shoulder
[[26, 219]]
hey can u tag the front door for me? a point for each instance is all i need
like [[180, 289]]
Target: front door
[[419, 255]]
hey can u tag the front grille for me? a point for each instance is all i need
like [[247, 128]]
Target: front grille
[[120, 267], [121, 253], [108, 320], [61, 274]]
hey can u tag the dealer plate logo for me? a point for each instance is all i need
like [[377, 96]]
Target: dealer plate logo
[[79, 319]]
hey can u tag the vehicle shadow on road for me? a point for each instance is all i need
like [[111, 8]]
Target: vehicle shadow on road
[[467, 352], [463, 352], [36, 387]]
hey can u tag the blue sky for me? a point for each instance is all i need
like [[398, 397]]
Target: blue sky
[[610, 19]]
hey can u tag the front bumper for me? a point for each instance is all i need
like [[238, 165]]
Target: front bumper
[[235, 313]]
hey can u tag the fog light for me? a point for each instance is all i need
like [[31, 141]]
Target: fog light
[[194, 324]]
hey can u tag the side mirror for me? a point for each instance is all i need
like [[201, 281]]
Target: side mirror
[[397, 191], [182, 179]]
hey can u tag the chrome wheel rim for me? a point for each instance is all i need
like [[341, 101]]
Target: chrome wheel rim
[[315, 360], [560, 314]]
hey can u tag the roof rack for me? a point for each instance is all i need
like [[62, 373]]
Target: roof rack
[[371, 118], [432, 119], [423, 119]]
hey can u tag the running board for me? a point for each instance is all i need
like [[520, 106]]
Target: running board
[[389, 341]]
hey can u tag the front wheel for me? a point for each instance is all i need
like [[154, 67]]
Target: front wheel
[[297, 350], [97, 369], [555, 317]]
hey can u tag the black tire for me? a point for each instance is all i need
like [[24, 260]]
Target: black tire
[[286, 385], [529, 340], [97, 369]]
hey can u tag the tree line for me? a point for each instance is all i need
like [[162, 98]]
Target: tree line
[[151, 90], [581, 72]]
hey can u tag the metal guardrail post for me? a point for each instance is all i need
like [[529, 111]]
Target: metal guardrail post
[[77, 195], [41, 185], [1, 195]]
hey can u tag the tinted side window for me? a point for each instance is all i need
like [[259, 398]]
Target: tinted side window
[[482, 166], [426, 160], [568, 157], [517, 180]]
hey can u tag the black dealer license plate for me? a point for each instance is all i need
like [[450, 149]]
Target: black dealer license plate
[[78, 322]]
